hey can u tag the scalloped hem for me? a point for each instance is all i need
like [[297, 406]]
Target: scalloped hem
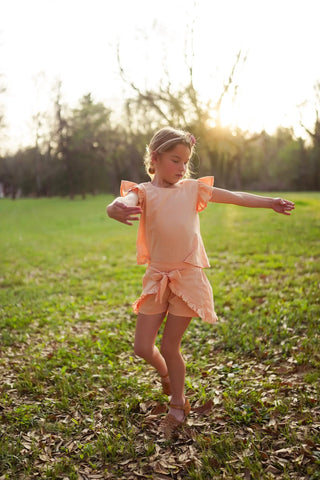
[[206, 316]]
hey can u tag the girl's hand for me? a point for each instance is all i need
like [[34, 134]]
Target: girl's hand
[[124, 214], [280, 205]]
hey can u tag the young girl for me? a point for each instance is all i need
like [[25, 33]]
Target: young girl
[[169, 241]]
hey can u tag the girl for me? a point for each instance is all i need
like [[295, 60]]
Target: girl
[[169, 241]]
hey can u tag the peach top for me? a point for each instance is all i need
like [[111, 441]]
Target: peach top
[[169, 227]]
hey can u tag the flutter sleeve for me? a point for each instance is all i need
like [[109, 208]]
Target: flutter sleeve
[[205, 189], [127, 187]]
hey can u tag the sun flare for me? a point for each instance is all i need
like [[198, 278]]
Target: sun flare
[[251, 113]]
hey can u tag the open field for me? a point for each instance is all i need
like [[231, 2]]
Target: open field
[[76, 404]]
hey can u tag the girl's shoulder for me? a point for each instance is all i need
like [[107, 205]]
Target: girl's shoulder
[[199, 182], [127, 187], [206, 181], [201, 189]]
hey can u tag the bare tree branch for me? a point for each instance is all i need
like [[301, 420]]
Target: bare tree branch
[[148, 96], [228, 83]]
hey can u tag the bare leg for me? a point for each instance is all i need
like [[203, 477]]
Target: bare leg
[[147, 328], [170, 349]]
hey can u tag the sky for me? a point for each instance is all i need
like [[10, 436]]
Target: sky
[[75, 41]]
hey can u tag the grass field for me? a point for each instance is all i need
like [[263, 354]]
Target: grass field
[[76, 403]]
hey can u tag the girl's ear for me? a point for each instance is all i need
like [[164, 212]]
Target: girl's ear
[[154, 158], [153, 161]]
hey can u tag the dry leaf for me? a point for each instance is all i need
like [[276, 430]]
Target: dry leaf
[[159, 409], [204, 409]]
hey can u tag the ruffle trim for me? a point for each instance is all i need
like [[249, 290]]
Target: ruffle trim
[[205, 316], [207, 180], [127, 187], [205, 186]]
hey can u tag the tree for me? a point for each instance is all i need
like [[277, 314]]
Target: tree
[[2, 113], [88, 147], [220, 149], [89, 143], [312, 164]]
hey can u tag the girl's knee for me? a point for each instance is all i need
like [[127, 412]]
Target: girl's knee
[[168, 350], [138, 350], [142, 351]]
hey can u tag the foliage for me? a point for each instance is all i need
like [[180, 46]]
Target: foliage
[[75, 402], [86, 151], [2, 91]]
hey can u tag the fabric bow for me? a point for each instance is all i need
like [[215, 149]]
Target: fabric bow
[[165, 279]]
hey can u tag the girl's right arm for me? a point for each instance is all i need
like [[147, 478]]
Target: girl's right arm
[[125, 209], [244, 199]]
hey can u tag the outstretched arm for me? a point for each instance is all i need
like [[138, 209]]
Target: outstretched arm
[[125, 209], [243, 199]]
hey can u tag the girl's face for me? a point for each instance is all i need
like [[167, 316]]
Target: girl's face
[[171, 166]]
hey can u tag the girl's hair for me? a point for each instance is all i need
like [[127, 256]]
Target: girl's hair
[[163, 141]]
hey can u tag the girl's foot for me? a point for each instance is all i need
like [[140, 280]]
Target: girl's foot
[[165, 381], [175, 419]]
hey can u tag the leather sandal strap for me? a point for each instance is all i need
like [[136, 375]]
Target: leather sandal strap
[[176, 407], [186, 407]]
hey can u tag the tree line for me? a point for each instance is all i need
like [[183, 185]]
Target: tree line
[[82, 150]]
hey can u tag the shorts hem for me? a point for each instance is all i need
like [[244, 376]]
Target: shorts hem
[[207, 317]]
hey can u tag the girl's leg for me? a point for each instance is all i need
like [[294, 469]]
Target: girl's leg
[[147, 328], [170, 350]]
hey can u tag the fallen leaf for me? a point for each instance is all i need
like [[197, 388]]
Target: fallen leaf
[[158, 409], [203, 409]]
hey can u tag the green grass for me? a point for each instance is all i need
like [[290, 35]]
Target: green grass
[[76, 403]]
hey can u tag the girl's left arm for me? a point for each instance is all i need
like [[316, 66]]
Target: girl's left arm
[[279, 205], [125, 209]]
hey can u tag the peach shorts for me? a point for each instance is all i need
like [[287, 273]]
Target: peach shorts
[[167, 287], [170, 303]]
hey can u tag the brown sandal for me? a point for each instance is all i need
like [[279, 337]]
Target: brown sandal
[[165, 382], [170, 423]]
